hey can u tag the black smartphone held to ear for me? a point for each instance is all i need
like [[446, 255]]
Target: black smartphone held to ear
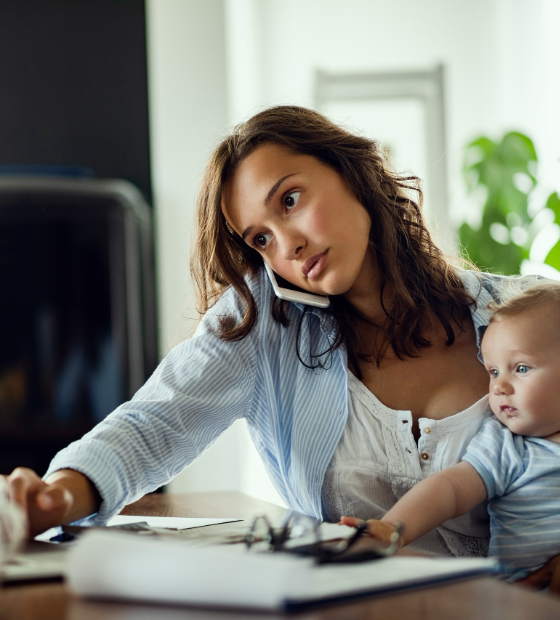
[[320, 301]]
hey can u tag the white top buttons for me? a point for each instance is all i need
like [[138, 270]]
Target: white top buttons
[[377, 461]]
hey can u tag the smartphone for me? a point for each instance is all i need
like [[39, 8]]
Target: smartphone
[[303, 297]]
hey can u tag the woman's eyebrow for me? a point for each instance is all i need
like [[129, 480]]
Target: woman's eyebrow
[[246, 232], [275, 187], [267, 200]]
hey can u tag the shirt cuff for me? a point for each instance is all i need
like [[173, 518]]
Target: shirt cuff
[[96, 461]]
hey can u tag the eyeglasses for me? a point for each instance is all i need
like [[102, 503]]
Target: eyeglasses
[[301, 535]]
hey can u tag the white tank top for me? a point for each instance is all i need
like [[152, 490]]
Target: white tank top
[[377, 461]]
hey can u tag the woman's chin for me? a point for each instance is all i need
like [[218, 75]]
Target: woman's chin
[[330, 286]]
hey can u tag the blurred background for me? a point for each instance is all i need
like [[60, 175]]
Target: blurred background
[[464, 94]]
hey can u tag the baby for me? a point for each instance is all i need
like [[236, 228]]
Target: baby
[[514, 460]]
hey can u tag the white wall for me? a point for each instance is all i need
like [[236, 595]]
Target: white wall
[[188, 114], [214, 63], [548, 133], [529, 84], [300, 36], [501, 59]]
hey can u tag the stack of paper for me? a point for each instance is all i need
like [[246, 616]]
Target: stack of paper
[[124, 566], [175, 523]]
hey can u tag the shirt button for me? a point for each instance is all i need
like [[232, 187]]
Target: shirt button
[[424, 456], [427, 430]]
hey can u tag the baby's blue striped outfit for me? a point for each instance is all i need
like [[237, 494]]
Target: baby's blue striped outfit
[[522, 477]]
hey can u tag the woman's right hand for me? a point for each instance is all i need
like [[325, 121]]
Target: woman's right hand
[[47, 503]]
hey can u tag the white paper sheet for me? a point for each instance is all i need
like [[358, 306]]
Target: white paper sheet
[[176, 523], [113, 564]]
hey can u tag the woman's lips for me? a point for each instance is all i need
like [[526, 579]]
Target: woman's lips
[[314, 265]]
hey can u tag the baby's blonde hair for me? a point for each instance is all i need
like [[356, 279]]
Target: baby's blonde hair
[[525, 294]]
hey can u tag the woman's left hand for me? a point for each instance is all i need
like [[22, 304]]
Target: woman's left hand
[[547, 576]]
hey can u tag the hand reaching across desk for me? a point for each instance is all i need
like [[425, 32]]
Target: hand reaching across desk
[[66, 496], [445, 495]]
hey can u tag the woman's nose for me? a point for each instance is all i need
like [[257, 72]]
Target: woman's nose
[[291, 244]]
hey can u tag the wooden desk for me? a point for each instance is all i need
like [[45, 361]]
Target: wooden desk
[[477, 599]]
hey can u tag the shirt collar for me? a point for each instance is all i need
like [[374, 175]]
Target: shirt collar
[[484, 288]]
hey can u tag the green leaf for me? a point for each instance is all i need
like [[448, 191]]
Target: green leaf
[[519, 148], [480, 248], [553, 257], [495, 166], [553, 203], [486, 145]]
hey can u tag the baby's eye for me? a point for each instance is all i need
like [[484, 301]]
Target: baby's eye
[[291, 199], [493, 373], [261, 241], [522, 369]]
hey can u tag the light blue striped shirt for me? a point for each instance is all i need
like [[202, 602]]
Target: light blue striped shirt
[[295, 416], [522, 477]]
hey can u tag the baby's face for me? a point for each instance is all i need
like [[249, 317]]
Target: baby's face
[[522, 357]]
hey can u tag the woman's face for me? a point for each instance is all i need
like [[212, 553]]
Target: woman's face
[[302, 218]]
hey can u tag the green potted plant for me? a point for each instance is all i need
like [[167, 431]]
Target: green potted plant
[[504, 174]]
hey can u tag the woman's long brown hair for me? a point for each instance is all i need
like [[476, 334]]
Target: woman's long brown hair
[[421, 281]]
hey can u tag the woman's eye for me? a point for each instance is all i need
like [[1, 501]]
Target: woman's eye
[[522, 369], [291, 200], [261, 241]]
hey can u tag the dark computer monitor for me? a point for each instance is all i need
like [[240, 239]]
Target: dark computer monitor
[[77, 317]]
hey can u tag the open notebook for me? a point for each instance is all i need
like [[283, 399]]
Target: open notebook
[[121, 566]]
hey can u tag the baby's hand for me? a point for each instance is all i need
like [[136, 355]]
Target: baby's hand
[[380, 530]]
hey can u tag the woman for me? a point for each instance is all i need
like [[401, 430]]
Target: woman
[[349, 406]]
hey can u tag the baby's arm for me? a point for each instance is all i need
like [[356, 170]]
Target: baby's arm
[[447, 494]]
